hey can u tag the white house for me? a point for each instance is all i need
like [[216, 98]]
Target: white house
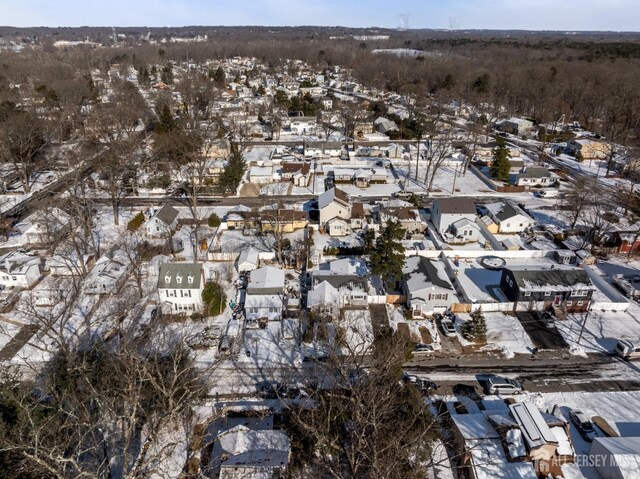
[[47, 226], [446, 211], [248, 260], [339, 283], [261, 174], [510, 218], [535, 176], [462, 231], [515, 126], [303, 125], [108, 274], [19, 270], [333, 203], [251, 453], [313, 149], [162, 222], [264, 298], [180, 285], [338, 227], [426, 286]]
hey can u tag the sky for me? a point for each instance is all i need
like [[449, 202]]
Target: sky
[[563, 15]]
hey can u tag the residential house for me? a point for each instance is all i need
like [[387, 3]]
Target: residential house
[[47, 226], [261, 174], [589, 148], [243, 453], [408, 217], [515, 126], [625, 241], [299, 173], [563, 287], [333, 203], [267, 220], [162, 222], [217, 148], [322, 149], [384, 125], [446, 211], [339, 283], [19, 270], [248, 260], [338, 227], [534, 176], [462, 231], [362, 128], [264, 298], [509, 217], [108, 274], [303, 125], [426, 286], [326, 103], [618, 457], [180, 286], [362, 218]]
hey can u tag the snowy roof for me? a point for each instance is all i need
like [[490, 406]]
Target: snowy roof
[[422, 273], [263, 301], [555, 277], [261, 448], [345, 266], [564, 445], [490, 462], [534, 428], [261, 171], [324, 293], [331, 195], [267, 279], [249, 255], [515, 444], [474, 426]]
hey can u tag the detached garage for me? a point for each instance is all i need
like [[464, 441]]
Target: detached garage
[[616, 457]]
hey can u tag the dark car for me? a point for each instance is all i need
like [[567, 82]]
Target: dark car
[[547, 319], [583, 425]]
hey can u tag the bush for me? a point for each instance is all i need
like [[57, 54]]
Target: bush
[[135, 222], [214, 220]]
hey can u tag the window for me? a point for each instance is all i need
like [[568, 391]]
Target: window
[[438, 296], [547, 293], [527, 293], [167, 278], [14, 278], [190, 279], [273, 310], [189, 293], [179, 279], [569, 303], [580, 303], [509, 281]]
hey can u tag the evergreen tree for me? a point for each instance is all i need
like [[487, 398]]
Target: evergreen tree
[[167, 74], [500, 167], [387, 257], [233, 172], [166, 122], [476, 329]]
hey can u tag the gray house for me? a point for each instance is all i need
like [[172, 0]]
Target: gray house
[[560, 286], [427, 287]]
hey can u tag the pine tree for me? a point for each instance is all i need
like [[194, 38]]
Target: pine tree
[[233, 172], [476, 329], [500, 167], [387, 257]]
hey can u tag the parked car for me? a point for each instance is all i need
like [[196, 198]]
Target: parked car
[[549, 193], [583, 424], [501, 385], [402, 194], [423, 349], [547, 319], [422, 384], [447, 327]]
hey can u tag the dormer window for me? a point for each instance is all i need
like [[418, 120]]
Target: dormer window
[[179, 279], [167, 278], [190, 278]]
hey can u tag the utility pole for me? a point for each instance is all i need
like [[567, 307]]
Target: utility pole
[[584, 323]]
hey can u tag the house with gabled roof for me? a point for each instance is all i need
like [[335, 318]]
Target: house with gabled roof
[[446, 211], [333, 203], [180, 286], [299, 173], [509, 217], [264, 298], [563, 287], [162, 222], [426, 286], [534, 176], [339, 283]]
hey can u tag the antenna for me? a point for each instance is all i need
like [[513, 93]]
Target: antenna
[[115, 37], [454, 23]]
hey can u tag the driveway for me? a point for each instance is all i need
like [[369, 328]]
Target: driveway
[[541, 336]]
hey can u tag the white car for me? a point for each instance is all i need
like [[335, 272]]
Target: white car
[[448, 328]]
